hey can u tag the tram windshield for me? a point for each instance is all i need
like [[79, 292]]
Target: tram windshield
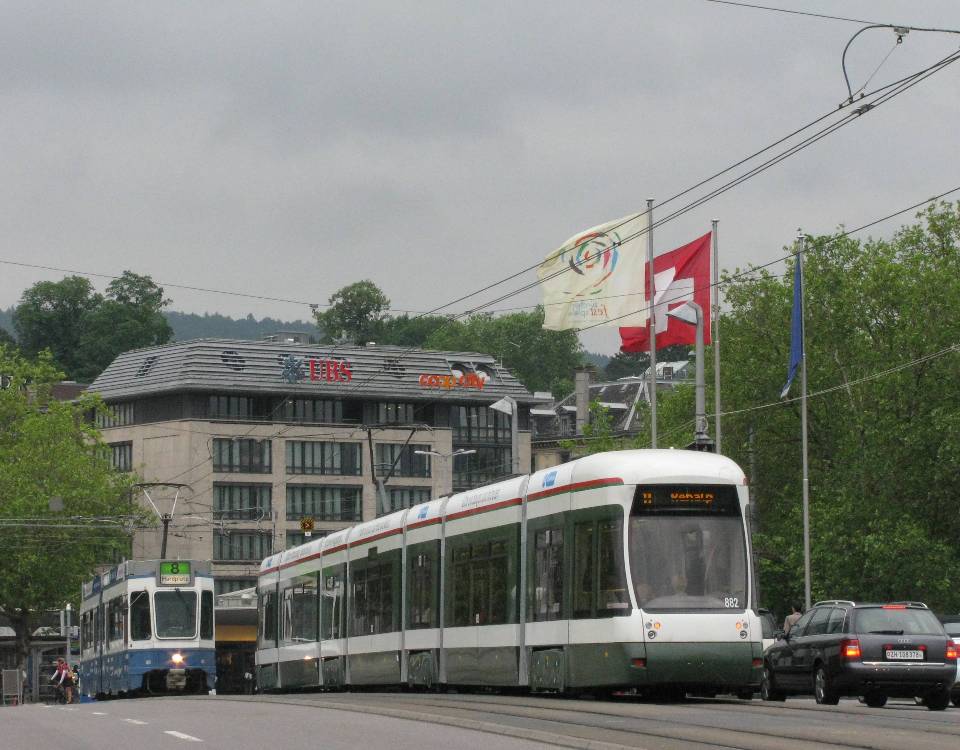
[[687, 548], [176, 613]]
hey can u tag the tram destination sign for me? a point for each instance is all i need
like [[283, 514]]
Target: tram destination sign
[[176, 573], [720, 499]]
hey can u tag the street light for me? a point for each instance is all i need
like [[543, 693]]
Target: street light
[[692, 313], [445, 456]]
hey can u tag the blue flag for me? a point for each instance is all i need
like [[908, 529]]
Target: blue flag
[[796, 328]]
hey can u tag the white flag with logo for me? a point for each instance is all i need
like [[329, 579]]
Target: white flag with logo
[[597, 277]]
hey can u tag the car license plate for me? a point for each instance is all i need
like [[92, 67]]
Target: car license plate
[[905, 655]]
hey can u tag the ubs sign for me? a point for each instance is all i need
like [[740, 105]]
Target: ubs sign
[[298, 369]]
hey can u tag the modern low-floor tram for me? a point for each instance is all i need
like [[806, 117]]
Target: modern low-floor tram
[[629, 569], [146, 628]]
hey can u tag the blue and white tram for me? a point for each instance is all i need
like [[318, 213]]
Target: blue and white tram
[[146, 627], [622, 570]]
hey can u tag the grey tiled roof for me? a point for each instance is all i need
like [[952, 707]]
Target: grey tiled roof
[[235, 366]]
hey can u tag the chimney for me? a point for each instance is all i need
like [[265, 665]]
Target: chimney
[[581, 389]]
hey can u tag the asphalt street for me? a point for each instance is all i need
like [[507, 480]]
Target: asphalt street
[[405, 720]]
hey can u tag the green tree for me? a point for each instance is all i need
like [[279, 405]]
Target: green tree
[[51, 314], [129, 317], [357, 313], [84, 330], [404, 330], [48, 451], [7, 338], [883, 443], [542, 360]]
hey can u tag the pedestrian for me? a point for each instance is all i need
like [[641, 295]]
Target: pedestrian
[[796, 612], [63, 678]]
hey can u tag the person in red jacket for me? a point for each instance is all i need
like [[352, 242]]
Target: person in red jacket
[[63, 678]]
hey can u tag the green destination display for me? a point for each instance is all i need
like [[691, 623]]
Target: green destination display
[[175, 573]]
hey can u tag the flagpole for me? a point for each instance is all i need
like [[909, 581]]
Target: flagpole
[[803, 430], [715, 336], [652, 318]]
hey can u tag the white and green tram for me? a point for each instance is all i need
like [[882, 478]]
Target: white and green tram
[[629, 569]]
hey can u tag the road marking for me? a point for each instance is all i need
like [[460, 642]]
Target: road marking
[[135, 721], [98, 713], [182, 736]]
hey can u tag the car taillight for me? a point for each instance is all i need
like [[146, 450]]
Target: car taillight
[[894, 606], [951, 652], [850, 648]]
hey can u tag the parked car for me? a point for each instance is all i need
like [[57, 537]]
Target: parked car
[[951, 624], [769, 627], [874, 651]]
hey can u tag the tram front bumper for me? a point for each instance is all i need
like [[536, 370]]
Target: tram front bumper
[[708, 665], [176, 679]]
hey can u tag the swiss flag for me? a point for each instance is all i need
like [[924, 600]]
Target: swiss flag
[[680, 275]]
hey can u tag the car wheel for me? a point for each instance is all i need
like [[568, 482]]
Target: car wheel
[[937, 700], [768, 687], [823, 690], [875, 700]]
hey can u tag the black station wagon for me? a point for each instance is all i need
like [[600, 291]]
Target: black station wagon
[[874, 651]]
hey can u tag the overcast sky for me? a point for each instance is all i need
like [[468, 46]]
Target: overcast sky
[[288, 149]]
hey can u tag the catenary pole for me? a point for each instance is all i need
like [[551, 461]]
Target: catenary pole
[[652, 322], [803, 430], [715, 337]]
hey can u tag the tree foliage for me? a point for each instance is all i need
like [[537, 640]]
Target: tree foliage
[[85, 330], [48, 450], [356, 313]]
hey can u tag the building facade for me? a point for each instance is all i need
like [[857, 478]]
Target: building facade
[[245, 442]]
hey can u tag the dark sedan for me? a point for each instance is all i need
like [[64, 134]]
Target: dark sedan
[[875, 651]]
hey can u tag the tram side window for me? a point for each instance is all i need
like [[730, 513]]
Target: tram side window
[[480, 586], [86, 631], [299, 619], [206, 615], [140, 616], [268, 619], [422, 587], [599, 576], [332, 602], [547, 583], [98, 627], [372, 605], [115, 619]]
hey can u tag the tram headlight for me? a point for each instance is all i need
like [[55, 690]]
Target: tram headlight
[[177, 658]]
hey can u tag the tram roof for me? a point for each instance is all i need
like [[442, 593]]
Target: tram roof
[[664, 465]]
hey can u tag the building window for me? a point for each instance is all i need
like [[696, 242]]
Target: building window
[[242, 545], [241, 455], [121, 456], [323, 411], [313, 457], [394, 413], [241, 501], [236, 407], [406, 497], [403, 459], [323, 503], [229, 585], [115, 415], [296, 538], [479, 424], [484, 466]]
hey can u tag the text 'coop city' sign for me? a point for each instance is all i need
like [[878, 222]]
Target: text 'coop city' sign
[[467, 380]]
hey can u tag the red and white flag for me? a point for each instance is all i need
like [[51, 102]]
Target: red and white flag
[[679, 276]]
